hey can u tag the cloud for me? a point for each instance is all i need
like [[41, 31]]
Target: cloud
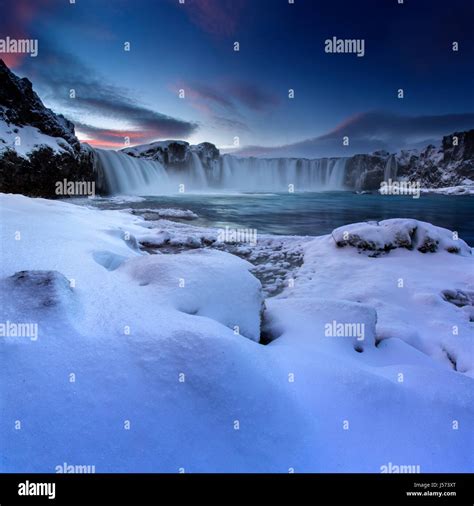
[[199, 92], [387, 126], [58, 73], [231, 124], [220, 18], [371, 131], [226, 103], [107, 138], [231, 95], [17, 21], [252, 96]]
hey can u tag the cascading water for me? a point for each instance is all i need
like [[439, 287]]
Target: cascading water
[[120, 173], [337, 174], [199, 172], [391, 168], [275, 175]]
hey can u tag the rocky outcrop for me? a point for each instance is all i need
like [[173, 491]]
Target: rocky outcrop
[[20, 106], [365, 172], [176, 154], [449, 164], [38, 148], [37, 174]]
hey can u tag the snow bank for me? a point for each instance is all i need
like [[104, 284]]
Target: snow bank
[[168, 360], [137, 365]]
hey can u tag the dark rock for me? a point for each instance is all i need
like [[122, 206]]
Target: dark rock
[[37, 173], [40, 289], [20, 105], [458, 297], [175, 154]]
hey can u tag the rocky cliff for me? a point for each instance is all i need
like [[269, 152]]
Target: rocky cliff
[[449, 164], [38, 148]]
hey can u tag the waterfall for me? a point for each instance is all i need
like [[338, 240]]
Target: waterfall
[[118, 172], [198, 170], [337, 174], [391, 168], [275, 175]]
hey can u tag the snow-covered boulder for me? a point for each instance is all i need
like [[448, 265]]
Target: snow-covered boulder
[[205, 283], [384, 236], [421, 298]]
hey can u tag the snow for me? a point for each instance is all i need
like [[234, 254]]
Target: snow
[[208, 283], [184, 214], [144, 148], [407, 288], [30, 137], [380, 237], [164, 382], [120, 199], [465, 189]]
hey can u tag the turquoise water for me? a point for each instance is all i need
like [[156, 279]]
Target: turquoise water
[[314, 213]]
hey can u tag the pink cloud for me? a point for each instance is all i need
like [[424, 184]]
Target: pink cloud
[[17, 22], [217, 17]]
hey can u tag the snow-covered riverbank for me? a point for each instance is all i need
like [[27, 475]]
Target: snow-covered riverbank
[[151, 362]]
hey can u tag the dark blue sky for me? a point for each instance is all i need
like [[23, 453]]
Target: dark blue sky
[[190, 46]]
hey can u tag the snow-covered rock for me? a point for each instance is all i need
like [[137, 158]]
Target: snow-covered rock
[[420, 298], [206, 283], [384, 236], [174, 153], [21, 106]]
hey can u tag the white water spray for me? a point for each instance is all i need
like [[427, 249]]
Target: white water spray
[[122, 173]]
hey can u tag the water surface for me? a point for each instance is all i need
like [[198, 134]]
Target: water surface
[[313, 213]]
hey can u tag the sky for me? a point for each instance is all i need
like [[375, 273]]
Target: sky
[[241, 98]]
